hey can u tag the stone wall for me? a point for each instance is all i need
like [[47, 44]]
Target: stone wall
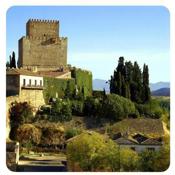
[[42, 46], [42, 52], [34, 97], [42, 27]]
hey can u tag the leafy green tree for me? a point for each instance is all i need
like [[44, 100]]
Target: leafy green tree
[[91, 151]]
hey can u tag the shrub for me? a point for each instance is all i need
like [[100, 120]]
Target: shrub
[[61, 110], [77, 107], [155, 161], [151, 109], [92, 106], [28, 132], [69, 133], [91, 151], [20, 113], [117, 108], [128, 160], [52, 135]]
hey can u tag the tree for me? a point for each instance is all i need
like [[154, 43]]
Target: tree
[[91, 151], [136, 84], [10, 58], [13, 60], [7, 64], [146, 90], [127, 81]]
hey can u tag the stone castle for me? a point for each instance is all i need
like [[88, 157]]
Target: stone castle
[[42, 47]]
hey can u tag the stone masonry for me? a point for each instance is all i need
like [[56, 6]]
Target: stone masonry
[[42, 47]]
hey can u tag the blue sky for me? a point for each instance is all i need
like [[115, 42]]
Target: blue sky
[[97, 36]]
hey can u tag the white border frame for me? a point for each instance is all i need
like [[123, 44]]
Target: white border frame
[[6, 4]]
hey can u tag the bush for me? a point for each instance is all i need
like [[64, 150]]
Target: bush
[[155, 161], [28, 132], [61, 110], [20, 113], [92, 106], [128, 160], [52, 135], [117, 108], [77, 107], [151, 109], [69, 133], [91, 151]]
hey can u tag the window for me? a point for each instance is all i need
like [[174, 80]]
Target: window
[[24, 82], [30, 82], [40, 82], [35, 82], [151, 149]]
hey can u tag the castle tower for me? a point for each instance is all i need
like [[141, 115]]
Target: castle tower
[[42, 47]]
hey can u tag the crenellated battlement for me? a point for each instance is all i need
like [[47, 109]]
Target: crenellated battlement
[[38, 27], [43, 21]]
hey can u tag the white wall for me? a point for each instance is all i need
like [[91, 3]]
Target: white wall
[[32, 78], [140, 148]]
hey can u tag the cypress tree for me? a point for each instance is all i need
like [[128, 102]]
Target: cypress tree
[[146, 90], [129, 81], [13, 60], [10, 58]]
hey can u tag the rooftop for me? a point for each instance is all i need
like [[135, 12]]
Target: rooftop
[[50, 73]]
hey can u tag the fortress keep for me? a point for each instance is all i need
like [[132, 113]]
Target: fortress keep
[[42, 47]]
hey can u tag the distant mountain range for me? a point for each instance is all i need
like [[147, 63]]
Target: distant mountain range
[[160, 87], [161, 92]]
